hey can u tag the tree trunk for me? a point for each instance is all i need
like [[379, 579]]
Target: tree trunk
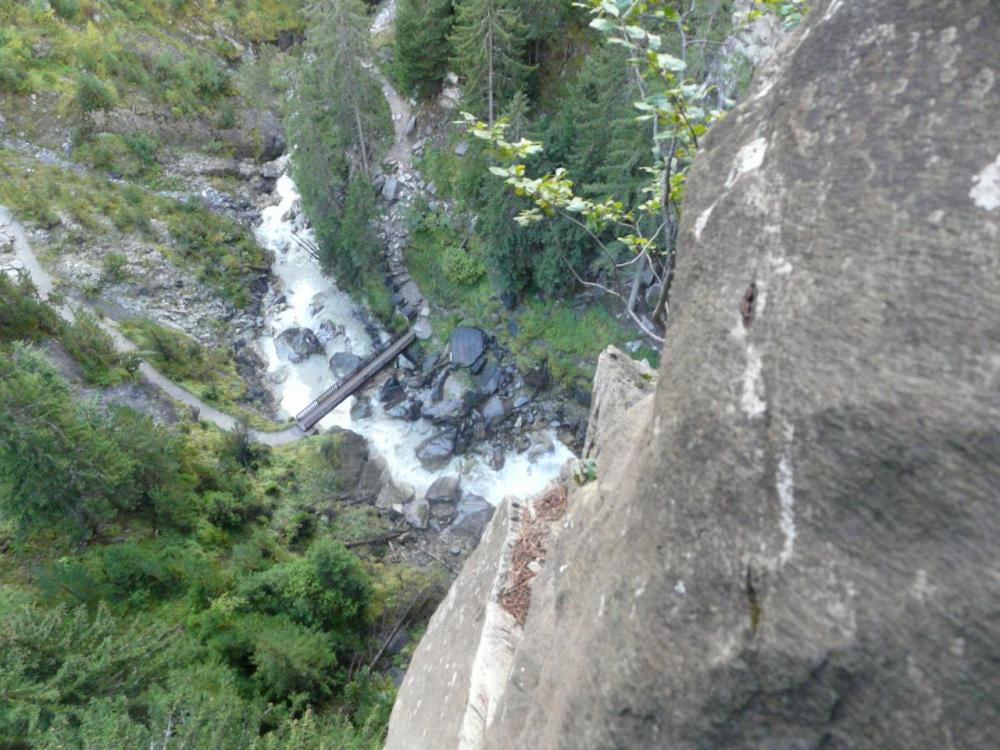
[[636, 283], [489, 58], [361, 140]]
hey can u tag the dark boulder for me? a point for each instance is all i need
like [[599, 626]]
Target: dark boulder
[[467, 345], [446, 489], [408, 409], [473, 514], [436, 451], [361, 408], [538, 377], [297, 344], [448, 412], [488, 380], [391, 392], [342, 363], [495, 410]]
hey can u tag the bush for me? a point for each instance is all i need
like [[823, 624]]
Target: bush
[[210, 372], [23, 316], [67, 9], [115, 267], [327, 589], [93, 94], [95, 352], [290, 659], [461, 266], [13, 77]]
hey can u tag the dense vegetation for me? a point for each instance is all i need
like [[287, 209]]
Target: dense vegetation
[[98, 53], [164, 584], [170, 582]]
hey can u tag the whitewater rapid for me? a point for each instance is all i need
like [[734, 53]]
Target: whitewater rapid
[[302, 296]]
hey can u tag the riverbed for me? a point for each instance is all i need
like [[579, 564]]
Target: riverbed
[[302, 297]]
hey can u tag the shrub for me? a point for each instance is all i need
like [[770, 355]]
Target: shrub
[[115, 267], [93, 94], [461, 266], [290, 659], [67, 9], [23, 316], [95, 352], [327, 588]]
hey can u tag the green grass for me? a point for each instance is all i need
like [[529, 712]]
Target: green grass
[[221, 253], [121, 51], [208, 373]]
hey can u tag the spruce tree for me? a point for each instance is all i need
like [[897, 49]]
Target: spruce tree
[[421, 48], [488, 43], [338, 102]]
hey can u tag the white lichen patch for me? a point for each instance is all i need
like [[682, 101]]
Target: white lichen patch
[[750, 157], [701, 221], [785, 486], [834, 7], [779, 265], [751, 400], [985, 191]]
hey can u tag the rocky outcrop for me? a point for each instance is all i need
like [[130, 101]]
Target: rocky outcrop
[[623, 381], [465, 657], [792, 543], [258, 133]]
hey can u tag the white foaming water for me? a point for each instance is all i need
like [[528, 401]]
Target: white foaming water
[[312, 300]]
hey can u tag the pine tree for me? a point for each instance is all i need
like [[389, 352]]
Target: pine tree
[[421, 48], [488, 43], [339, 103]]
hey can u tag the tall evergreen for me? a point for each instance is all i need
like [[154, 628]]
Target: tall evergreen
[[337, 85], [338, 118], [488, 43], [421, 48]]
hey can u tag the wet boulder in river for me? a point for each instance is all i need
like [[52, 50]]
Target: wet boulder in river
[[446, 489], [297, 344], [449, 411], [408, 409], [391, 393], [342, 363], [495, 410], [436, 451]]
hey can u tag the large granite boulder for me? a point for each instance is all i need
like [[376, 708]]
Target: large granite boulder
[[623, 381], [435, 452], [792, 544], [467, 345]]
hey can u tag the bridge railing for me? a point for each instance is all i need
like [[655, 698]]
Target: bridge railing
[[332, 397]]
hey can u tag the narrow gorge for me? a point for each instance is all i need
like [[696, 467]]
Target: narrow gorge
[[696, 442]]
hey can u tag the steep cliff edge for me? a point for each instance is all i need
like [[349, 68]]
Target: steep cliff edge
[[792, 544]]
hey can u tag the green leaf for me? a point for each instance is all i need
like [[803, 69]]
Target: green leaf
[[669, 62], [609, 7], [603, 25]]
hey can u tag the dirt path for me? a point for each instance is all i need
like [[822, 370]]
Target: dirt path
[[401, 151], [399, 158], [24, 258]]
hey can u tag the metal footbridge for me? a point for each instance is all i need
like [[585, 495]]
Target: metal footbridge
[[353, 381]]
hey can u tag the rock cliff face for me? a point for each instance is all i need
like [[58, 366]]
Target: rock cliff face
[[792, 544]]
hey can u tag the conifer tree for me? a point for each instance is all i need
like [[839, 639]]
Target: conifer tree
[[338, 102], [422, 50], [488, 43]]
